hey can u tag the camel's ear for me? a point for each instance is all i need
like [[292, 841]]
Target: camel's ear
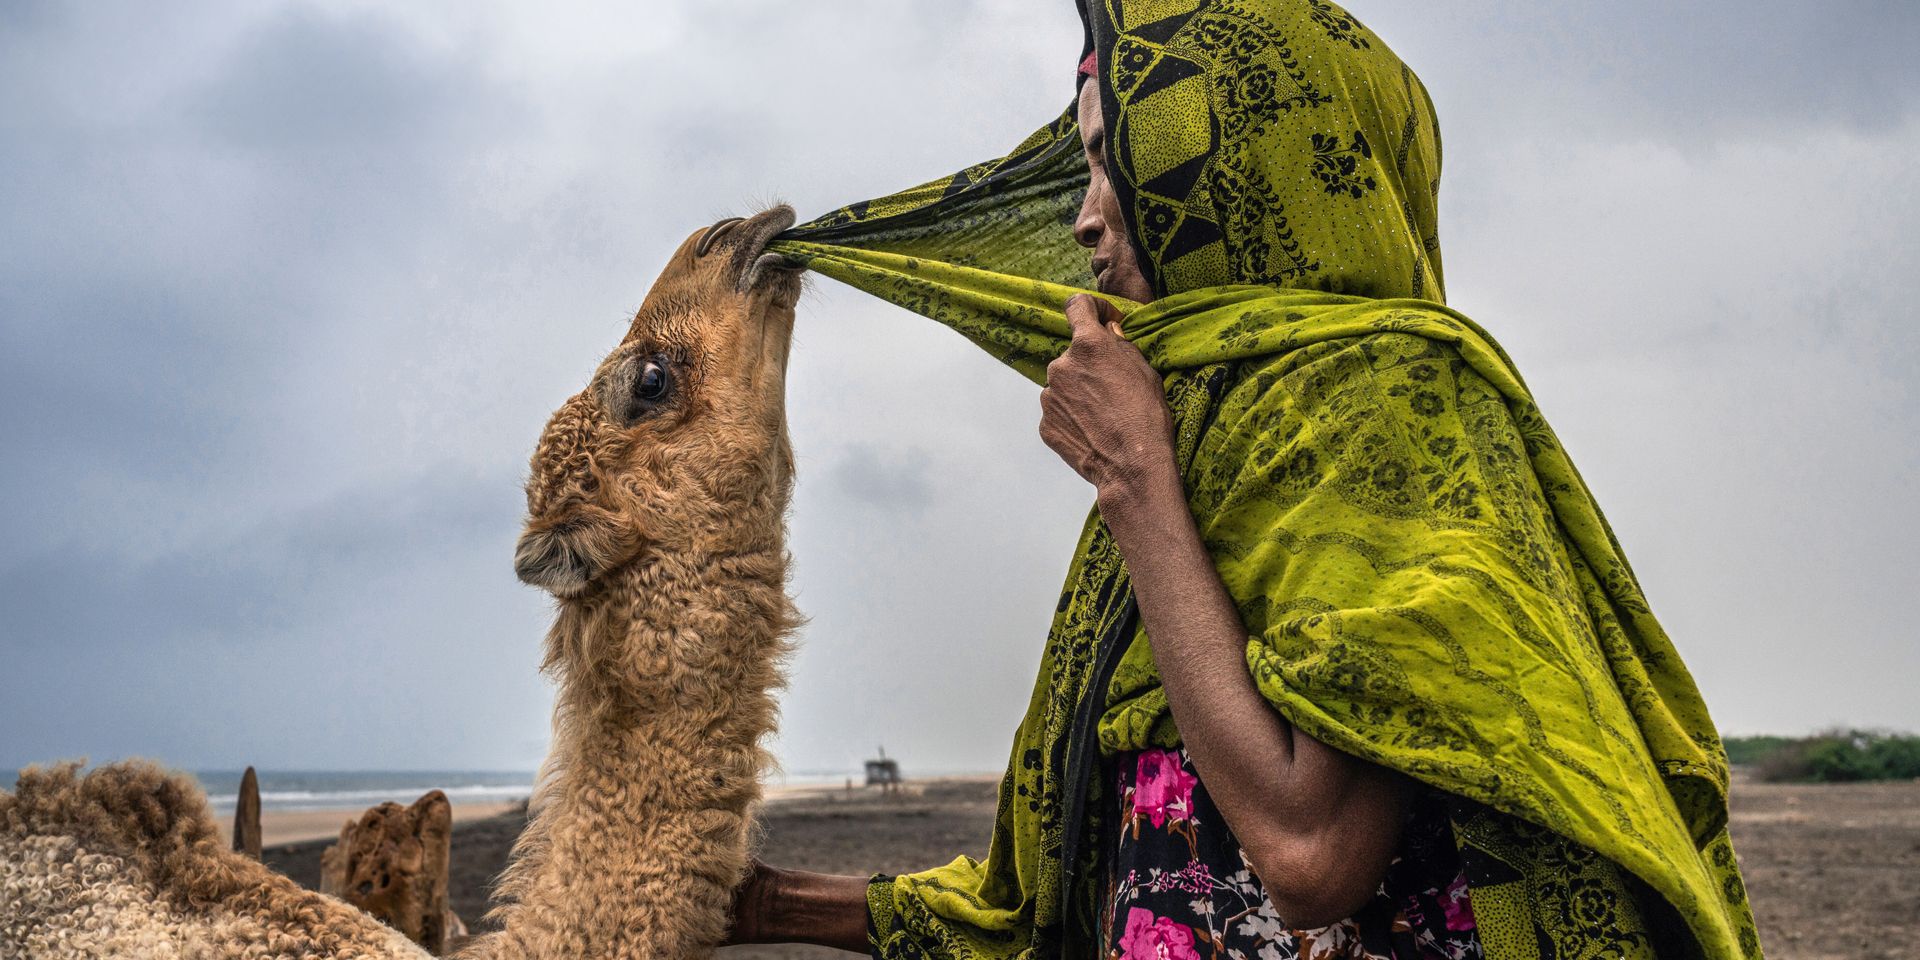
[[563, 558]]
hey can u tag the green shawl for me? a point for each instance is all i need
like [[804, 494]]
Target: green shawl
[[1425, 581]]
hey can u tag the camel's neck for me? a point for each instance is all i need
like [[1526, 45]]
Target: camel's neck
[[666, 681], [679, 636], [679, 659]]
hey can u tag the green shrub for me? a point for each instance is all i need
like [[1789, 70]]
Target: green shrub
[[1748, 751], [1898, 758], [1840, 760], [1837, 756]]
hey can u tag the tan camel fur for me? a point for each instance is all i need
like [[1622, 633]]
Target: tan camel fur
[[126, 862], [656, 517]]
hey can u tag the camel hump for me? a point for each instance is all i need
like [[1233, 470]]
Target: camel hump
[[133, 808], [158, 867]]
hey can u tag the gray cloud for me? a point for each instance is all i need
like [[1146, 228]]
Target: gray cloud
[[1684, 75], [881, 479], [288, 290], [324, 85]]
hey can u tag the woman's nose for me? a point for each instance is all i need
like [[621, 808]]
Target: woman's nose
[[1088, 227]]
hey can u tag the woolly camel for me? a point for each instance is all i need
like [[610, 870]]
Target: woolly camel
[[656, 517]]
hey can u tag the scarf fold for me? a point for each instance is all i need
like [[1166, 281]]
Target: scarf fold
[[1425, 580]]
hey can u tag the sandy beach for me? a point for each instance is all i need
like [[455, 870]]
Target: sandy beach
[[1833, 870], [292, 826]]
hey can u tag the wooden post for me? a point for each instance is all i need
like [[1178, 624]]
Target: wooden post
[[246, 816], [393, 864]]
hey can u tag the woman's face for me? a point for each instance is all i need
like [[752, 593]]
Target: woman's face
[[1100, 227]]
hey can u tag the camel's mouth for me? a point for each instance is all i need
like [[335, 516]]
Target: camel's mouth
[[565, 555], [545, 559]]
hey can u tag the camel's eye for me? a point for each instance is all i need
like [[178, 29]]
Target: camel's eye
[[654, 383], [641, 389]]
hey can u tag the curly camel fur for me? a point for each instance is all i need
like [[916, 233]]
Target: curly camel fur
[[656, 518], [659, 524], [125, 862]]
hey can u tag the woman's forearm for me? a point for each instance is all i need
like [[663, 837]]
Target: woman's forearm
[[794, 906], [1319, 826], [1199, 641]]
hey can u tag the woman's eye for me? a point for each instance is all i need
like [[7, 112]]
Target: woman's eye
[[654, 382]]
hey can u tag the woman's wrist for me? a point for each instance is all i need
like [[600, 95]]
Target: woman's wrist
[[1143, 497], [795, 906]]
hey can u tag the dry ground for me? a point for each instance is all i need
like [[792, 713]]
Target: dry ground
[[1834, 871]]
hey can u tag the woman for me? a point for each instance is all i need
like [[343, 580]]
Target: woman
[[1403, 697]]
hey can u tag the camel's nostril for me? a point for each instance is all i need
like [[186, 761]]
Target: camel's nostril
[[766, 265], [714, 233], [750, 241]]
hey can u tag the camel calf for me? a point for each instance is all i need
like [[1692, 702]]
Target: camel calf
[[656, 513], [656, 517]]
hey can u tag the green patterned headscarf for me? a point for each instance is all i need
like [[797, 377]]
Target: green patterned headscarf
[[1425, 580]]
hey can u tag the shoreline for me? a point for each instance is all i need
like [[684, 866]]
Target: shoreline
[[301, 826], [279, 827]]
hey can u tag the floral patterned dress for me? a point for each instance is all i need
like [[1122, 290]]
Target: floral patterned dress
[[1180, 888]]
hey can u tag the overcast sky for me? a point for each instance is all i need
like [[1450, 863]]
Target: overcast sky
[[288, 289]]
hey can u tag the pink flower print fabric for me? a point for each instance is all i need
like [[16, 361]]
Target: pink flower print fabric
[[1180, 888], [1162, 788], [1148, 937], [1457, 906]]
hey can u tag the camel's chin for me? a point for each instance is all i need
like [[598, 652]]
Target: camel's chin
[[572, 590], [545, 559]]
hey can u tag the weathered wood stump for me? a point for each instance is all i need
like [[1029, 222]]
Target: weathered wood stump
[[246, 816], [392, 863]]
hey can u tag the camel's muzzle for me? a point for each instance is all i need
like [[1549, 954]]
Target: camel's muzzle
[[745, 241]]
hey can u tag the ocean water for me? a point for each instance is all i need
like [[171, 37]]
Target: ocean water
[[358, 789]]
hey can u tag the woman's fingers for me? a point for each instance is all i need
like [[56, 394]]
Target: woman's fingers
[[1091, 317]]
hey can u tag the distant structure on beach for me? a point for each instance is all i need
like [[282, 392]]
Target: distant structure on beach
[[883, 772]]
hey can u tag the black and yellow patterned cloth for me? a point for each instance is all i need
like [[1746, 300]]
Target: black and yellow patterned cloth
[[1425, 580]]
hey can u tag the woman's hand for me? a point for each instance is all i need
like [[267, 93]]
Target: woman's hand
[[1104, 410]]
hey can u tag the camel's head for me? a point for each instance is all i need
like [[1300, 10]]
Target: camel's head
[[680, 442]]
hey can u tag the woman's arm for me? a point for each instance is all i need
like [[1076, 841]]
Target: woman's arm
[[793, 906], [1319, 826]]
